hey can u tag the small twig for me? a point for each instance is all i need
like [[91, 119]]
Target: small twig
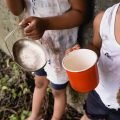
[[7, 109]]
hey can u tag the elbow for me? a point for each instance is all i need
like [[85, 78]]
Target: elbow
[[80, 16], [16, 10], [16, 13]]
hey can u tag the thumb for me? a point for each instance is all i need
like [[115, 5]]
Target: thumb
[[68, 51], [77, 46], [25, 22]]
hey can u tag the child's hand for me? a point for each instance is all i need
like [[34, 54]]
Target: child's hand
[[75, 47], [34, 27]]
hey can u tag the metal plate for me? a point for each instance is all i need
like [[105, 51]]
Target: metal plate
[[29, 54]]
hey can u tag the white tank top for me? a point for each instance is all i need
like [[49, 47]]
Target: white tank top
[[109, 62], [55, 41]]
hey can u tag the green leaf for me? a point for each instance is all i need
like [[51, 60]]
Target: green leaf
[[13, 117], [24, 115], [26, 91], [14, 93], [5, 88]]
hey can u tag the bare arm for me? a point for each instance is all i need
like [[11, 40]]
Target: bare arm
[[74, 17], [96, 42], [15, 6], [36, 26]]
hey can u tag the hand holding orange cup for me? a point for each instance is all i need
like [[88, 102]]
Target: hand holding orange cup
[[81, 68]]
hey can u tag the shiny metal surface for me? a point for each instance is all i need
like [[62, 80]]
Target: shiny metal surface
[[29, 54]]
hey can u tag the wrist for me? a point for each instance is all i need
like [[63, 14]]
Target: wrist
[[45, 24]]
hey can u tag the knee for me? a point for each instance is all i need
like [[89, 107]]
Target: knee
[[59, 93], [41, 82]]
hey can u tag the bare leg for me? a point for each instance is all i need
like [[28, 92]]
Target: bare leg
[[41, 84], [59, 104]]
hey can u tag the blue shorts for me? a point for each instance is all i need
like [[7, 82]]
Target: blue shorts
[[95, 109], [41, 72]]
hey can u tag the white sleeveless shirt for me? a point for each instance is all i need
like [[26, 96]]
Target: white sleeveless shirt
[[109, 61], [55, 41]]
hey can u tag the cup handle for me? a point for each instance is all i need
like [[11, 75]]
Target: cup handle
[[8, 35]]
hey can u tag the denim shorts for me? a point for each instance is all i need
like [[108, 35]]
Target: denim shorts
[[41, 72], [96, 110]]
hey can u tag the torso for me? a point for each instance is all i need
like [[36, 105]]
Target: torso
[[43, 8], [109, 61], [55, 41]]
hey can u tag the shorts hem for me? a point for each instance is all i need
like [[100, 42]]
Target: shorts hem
[[59, 86]]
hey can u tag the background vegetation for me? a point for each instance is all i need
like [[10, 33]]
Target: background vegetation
[[16, 89]]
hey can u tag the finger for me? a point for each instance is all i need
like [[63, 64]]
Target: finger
[[34, 34], [28, 24], [29, 28], [76, 47], [31, 33], [26, 21], [68, 51]]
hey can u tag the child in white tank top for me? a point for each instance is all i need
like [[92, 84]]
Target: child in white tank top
[[104, 102]]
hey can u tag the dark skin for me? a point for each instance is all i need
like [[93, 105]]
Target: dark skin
[[96, 42], [36, 26], [16, 6]]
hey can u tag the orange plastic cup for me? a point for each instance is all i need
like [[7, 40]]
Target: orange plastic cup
[[81, 68]]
